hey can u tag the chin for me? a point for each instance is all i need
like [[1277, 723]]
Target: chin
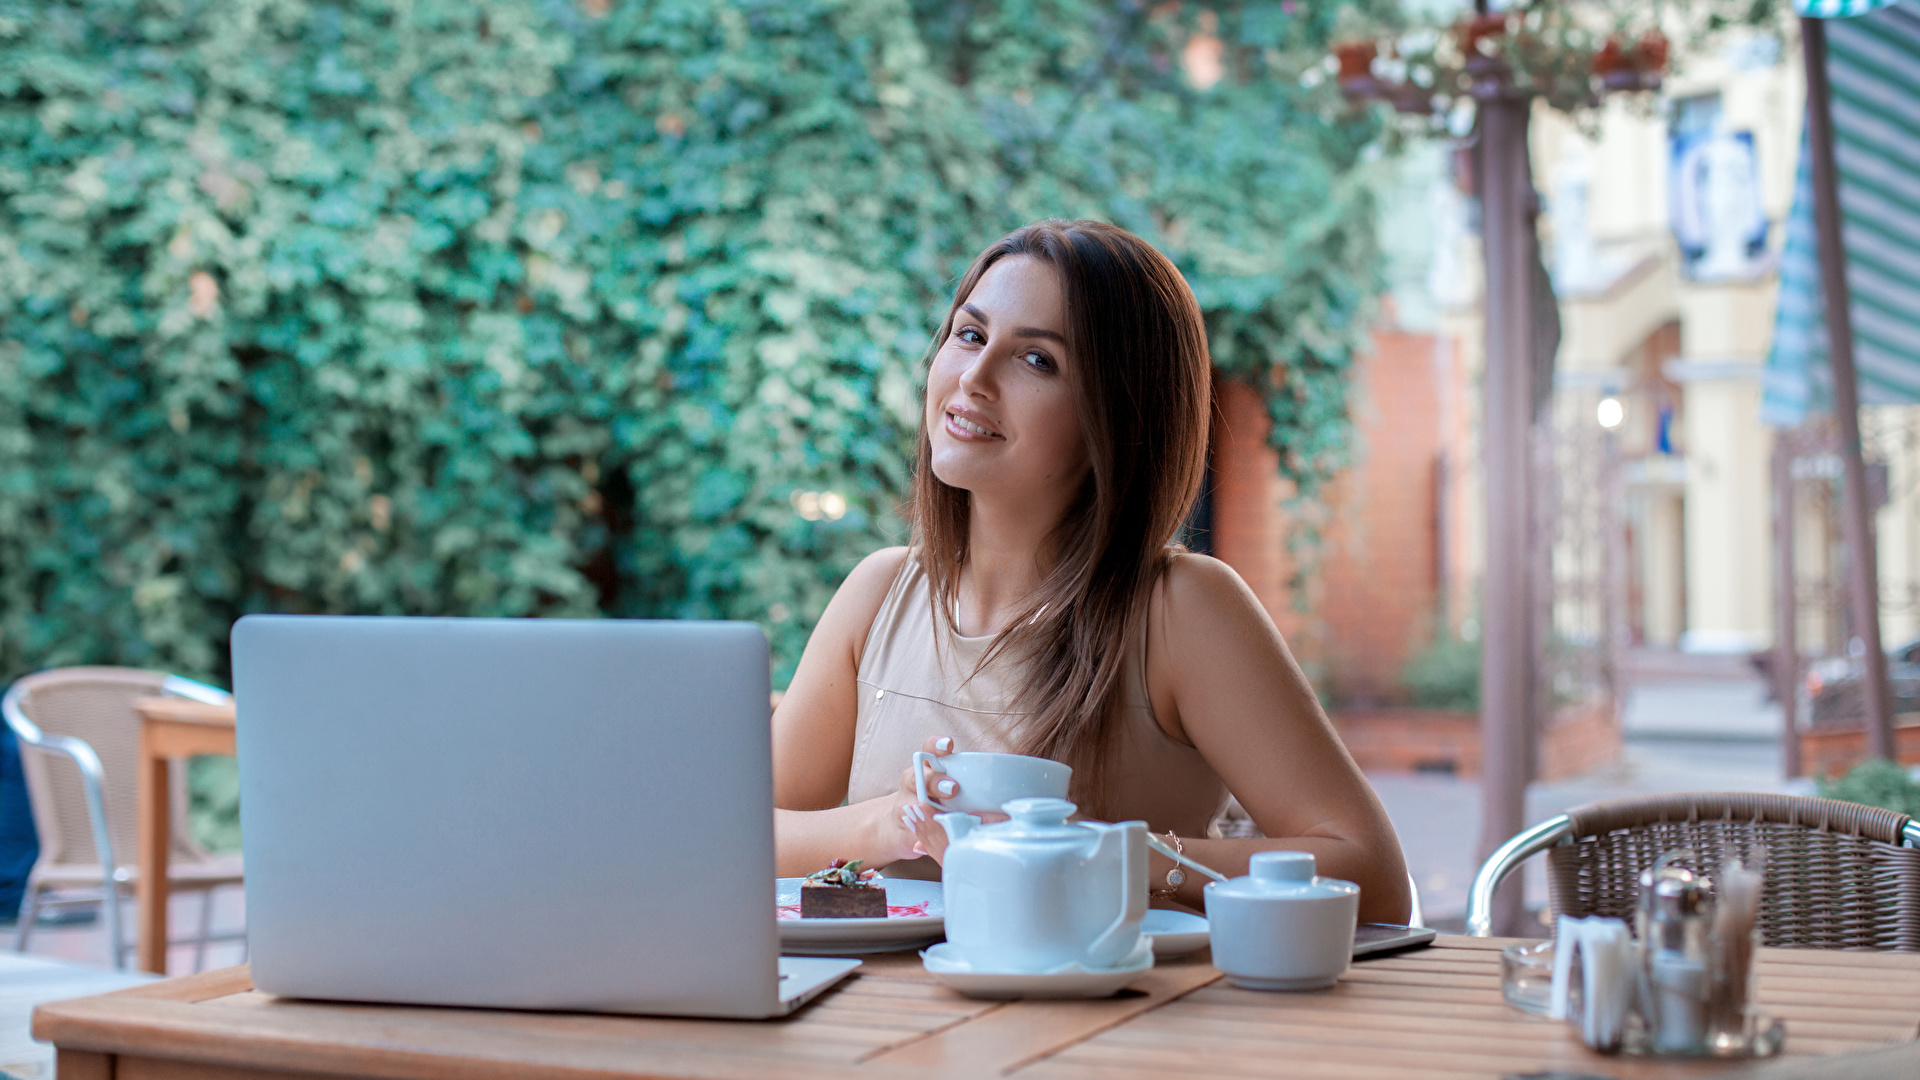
[[964, 468], [958, 478]]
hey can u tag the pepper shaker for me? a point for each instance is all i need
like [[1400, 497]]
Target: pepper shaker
[[1673, 919]]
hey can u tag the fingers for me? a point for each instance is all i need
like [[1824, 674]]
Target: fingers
[[943, 787], [939, 745], [929, 837]]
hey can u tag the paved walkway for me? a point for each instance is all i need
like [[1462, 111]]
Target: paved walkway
[[1714, 733], [27, 981]]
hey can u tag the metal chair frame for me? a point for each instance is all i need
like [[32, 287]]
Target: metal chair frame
[[1527, 843], [92, 781]]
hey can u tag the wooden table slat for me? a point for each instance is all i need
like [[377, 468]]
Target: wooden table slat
[[1013, 1035], [1435, 1013]]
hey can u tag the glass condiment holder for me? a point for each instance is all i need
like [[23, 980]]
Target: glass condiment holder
[[1526, 976]]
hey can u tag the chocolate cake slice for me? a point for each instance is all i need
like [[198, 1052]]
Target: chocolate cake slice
[[843, 891], [843, 902]]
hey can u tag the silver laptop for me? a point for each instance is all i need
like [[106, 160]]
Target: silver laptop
[[513, 813]]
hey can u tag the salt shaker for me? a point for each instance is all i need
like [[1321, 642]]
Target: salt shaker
[[1673, 919]]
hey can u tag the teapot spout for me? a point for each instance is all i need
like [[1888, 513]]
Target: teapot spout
[[957, 825]]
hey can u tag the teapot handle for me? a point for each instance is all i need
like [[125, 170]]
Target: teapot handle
[[1132, 838], [922, 761]]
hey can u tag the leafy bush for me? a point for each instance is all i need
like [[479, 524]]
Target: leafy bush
[[531, 308], [527, 309], [1876, 782], [1445, 674]]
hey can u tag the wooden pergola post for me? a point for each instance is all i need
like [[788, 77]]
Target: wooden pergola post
[[1856, 515], [1786, 608], [1507, 647]]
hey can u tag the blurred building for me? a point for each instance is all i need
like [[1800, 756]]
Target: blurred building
[[1661, 226], [1661, 235]]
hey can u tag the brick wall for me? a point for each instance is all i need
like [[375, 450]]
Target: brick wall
[[1374, 585], [1380, 574], [1248, 531]]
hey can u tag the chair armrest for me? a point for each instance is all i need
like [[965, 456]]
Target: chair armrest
[[1505, 859]]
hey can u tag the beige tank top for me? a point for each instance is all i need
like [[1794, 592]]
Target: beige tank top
[[918, 679]]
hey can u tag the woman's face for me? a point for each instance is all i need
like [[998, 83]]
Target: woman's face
[[1000, 406]]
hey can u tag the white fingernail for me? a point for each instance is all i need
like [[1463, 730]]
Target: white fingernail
[[946, 787], [913, 812], [943, 744], [919, 848], [906, 823]]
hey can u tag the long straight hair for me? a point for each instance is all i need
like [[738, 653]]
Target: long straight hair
[[1143, 391]]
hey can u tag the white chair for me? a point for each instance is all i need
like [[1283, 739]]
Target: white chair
[[80, 746]]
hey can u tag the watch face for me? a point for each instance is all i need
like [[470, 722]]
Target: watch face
[[1176, 878]]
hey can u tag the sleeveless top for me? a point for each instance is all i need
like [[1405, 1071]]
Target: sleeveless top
[[918, 679]]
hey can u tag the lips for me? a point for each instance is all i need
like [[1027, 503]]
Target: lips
[[970, 426]]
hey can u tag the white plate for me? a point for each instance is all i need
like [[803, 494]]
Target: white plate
[[852, 937], [1072, 981], [1174, 933]]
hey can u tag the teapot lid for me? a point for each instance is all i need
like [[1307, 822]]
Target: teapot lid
[[1283, 875], [1041, 818]]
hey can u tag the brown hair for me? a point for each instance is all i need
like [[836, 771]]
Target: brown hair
[[1142, 380]]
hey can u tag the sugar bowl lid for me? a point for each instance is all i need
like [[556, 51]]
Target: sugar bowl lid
[[1282, 875]]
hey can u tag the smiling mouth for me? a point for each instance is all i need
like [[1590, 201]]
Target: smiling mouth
[[971, 428]]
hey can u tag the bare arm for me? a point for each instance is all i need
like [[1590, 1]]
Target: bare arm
[[813, 733], [1223, 680]]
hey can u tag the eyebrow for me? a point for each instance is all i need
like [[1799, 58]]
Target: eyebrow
[[1019, 331]]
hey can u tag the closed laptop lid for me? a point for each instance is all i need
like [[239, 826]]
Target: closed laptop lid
[[520, 813]]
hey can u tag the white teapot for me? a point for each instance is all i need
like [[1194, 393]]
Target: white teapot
[[1035, 894]]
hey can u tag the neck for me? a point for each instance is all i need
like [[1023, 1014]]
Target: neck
[[1007, 556]]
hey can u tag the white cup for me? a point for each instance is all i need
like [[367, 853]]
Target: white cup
[[990, 781], [1282, 928]]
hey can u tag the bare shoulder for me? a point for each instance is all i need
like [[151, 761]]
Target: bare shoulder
[[850, 613], [867, 586], [1199, 591], [1201, 616]]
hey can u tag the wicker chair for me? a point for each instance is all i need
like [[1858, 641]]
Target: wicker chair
[[80, 743], [1838, 875]]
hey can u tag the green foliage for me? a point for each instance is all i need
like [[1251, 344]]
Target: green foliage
[[213, 790], [423, 306], [504, 309], [501, 308], [1876, 782], [1445, 674]]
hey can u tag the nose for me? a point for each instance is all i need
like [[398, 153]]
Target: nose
[[980, 378]]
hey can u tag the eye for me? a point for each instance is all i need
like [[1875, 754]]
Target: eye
[[1038, 361], [970, 335]]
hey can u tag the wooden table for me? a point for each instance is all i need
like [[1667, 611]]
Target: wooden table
[[1431, 1013], [170, 727]]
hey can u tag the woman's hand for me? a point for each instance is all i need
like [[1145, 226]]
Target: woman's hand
[[939, 785], [930, 837], [920, 831], [877, 831]]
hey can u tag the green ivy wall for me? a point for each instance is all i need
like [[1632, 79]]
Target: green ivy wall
[[570, 309]]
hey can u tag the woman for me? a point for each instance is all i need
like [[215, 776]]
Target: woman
[[1045, 609]]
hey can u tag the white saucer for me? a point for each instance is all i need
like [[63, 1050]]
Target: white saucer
[[1071, 981], [1174, 933], [852, 937]]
